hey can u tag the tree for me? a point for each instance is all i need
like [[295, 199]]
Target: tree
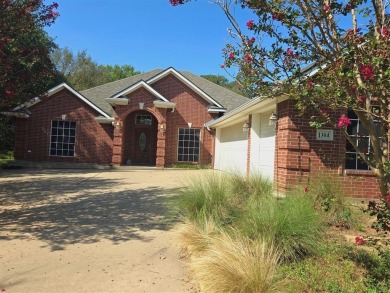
[[81, 72], [224, 82], [25, 67], [327, 55]]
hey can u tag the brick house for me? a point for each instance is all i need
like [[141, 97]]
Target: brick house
[[155, 118], [289, 151], [165, 117]]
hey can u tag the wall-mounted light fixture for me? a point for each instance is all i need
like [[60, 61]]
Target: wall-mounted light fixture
[[246, 126], [162, 127], [118, 125], [141, 105], [273, 119], [189, 125], [63, 116]]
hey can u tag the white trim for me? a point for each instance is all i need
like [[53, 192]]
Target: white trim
[[200, 141], [27, 104], [138, 85], [256, 105], [184, 80], [16, 114], [165, 105], [104, 120], [117, 101]]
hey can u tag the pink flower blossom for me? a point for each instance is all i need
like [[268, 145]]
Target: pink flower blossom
[[250, 24], [362, 99], [344, 121], [249, 71], [387, 198], [310, 83], [306, 189], [231, 56], [9, 93], [223, 66], [384, 31], [326, 7], [289, 51], [176, 2], [359, 240], [251, 41], [367, 72], [248, 58]]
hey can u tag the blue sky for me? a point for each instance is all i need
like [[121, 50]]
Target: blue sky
[[146, 34]]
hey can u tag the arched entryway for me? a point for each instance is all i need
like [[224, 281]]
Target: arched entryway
[[140, 139]]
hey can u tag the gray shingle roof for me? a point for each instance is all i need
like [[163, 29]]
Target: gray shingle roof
[[221, 95]]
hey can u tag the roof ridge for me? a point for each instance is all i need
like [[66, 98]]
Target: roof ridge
[[119, 80]]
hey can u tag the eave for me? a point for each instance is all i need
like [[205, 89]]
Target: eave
[[104, 120], [163, 104], [117, 101], [15, 114]]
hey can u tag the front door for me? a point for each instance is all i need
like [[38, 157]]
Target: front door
[[143, 147]]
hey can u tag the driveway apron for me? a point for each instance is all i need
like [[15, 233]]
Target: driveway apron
[[90, 231]]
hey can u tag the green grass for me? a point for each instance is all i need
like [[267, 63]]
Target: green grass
[[230, 222], [6, 157]]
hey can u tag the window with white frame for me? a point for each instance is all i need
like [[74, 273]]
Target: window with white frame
[[361, 138], [62, 138], [188, 145]]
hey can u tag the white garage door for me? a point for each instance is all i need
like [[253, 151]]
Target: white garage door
[[231, 149]]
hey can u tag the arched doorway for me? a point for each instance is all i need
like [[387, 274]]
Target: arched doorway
[[140, 139]]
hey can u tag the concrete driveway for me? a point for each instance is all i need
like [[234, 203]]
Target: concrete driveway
[[90, 231]]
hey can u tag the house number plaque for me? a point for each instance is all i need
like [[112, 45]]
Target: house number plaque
[[324, 134]]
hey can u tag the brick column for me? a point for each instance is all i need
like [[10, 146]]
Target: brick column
[[117, 143], [160, 156]]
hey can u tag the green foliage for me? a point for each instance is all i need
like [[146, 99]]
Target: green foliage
[[25, 68], [81, 72], [224, 82], [7, 128], [329, 272], [249, 205], [329, 198], [290, 223], [381, 210], [377, 265], [226, 217]]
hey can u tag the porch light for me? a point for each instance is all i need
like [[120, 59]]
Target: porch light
[[162, 127], [141, 105], [246, 126], [118, 125], [63, 116], [273, 119]]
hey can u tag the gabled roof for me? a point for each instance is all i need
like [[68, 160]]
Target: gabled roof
[[55, 90], [216, 95]]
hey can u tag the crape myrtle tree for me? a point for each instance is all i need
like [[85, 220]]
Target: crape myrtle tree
[[329, 56], [25, 67]]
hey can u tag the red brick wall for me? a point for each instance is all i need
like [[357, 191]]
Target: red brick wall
[[100, 143], [299, 156], [190, 107], [93, 140]]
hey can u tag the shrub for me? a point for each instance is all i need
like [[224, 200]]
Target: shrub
[[328, 197]]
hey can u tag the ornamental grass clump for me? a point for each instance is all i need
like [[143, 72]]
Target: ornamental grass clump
[[290, 223], [237, 264]]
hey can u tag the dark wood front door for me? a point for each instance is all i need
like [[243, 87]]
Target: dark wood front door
[[143, 148]]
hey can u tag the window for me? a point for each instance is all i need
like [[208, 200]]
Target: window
[[189, 142], [362, 139], [62, 138], [143, 120]]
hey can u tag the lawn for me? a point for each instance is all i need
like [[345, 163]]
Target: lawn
[[239, 237]]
